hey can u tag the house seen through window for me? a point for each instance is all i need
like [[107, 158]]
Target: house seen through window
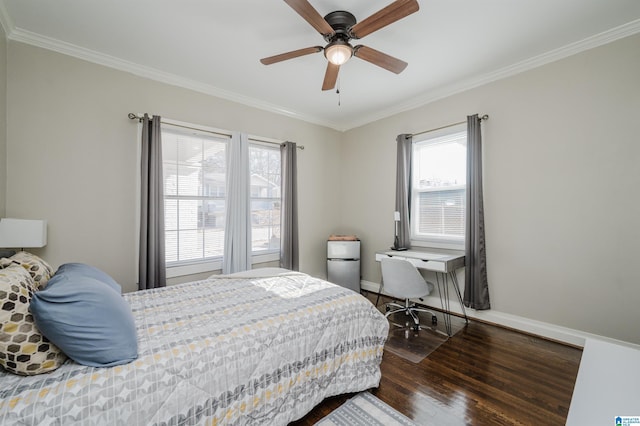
[[438, 190], [194, 193], [265, 184], [195, 182]]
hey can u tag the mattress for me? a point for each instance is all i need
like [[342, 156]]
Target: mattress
[[227, 350]]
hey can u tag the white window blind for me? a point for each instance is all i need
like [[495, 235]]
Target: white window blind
[[442, 212], [439, 187], [194, 191]]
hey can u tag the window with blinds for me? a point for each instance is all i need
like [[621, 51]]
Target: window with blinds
[[194, 191], [264, 169], [438, 189]]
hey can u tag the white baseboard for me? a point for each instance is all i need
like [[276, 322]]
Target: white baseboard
[[539, 328]]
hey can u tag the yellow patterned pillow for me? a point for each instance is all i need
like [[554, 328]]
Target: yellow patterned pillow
[[40, 270], [23, 349]]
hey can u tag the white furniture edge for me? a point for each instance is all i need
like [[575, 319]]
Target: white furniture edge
[[539, 328], [607, 386]]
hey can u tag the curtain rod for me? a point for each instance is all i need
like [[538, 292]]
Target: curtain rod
[[133, 116], [483, 118]]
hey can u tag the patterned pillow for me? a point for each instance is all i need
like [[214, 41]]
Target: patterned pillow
[[40, 270], [23, 349], [7, 252]]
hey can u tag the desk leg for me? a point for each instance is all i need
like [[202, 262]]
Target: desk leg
[[443, 291], [445, 302], [454, 280], [379, 291]]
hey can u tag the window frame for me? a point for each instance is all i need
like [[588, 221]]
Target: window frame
[[274, 254], [205, 264], [433, 241], [208, 265]]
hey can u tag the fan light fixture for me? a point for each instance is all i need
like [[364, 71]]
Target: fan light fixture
[[338, 29], [338, 52]]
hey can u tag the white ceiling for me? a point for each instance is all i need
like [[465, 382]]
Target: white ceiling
[[214, 46]]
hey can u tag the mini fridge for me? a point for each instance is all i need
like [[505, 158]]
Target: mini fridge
[[343, 263]]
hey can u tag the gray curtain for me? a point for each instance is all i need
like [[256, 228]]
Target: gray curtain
[[151, 268], [476, 289], [289, 250], [237, 234], [403, 188]]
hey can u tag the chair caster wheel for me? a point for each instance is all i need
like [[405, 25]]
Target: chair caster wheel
[[434, 320], [416, 328]]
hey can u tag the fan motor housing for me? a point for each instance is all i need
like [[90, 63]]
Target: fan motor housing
[[341, 21]]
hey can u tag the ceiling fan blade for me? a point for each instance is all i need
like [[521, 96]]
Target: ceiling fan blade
[[385, 16], [380, 59], [290, 55], [304, 9], [330, 76]]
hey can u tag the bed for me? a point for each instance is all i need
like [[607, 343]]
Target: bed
[[257, 348]]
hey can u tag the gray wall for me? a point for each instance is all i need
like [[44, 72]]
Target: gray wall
[[561, 188], [561, 155], [72, 153], [3, 120]]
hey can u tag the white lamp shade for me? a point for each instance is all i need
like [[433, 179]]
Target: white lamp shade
[[22, 233]]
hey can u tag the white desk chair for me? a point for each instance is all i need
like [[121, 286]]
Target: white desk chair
[[402, 280]]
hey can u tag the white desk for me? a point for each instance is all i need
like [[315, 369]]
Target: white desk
[[444, 264]]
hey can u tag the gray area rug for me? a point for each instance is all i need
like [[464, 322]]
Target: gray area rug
[[365, 409]]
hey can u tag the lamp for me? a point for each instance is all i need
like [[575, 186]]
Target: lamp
[[338, 52], [396, 241], [21, 233]]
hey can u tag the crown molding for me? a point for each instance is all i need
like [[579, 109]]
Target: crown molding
[[430, 96], [28, 37], [69, 49], [5, 20]]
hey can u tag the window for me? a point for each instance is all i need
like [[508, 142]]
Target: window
[[264, 169], [195, 183], [438, 189], [194, 191]]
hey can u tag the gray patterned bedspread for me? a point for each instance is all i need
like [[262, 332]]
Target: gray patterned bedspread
[[219, 351]]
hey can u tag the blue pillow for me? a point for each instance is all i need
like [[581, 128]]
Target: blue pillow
[[82, 269], [87, 319]]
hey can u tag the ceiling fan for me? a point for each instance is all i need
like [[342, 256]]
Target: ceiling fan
[[339, 28]]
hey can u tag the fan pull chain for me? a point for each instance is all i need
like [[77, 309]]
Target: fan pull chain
[[338, 91]]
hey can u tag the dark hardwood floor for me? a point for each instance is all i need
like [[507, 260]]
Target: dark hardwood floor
[[484, 375]]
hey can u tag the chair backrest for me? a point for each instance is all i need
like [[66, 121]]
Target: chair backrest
[[402, 280]]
